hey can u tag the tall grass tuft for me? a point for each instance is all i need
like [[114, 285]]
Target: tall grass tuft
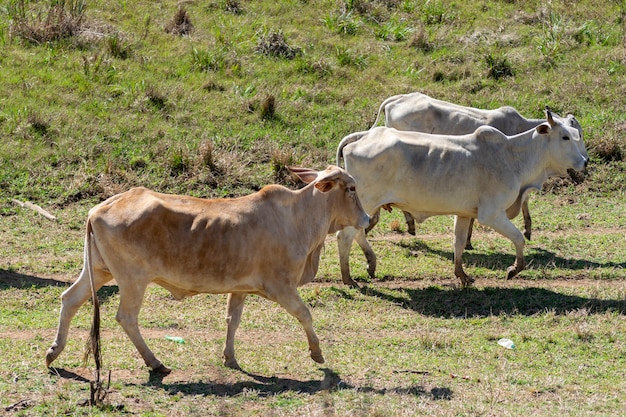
[[274, 44], [499, 67], [62, 19], [551, 44], [118, 47], [268, 108], [180, 24]]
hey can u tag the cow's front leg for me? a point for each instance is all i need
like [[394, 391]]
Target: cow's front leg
[[461, 227], [344, 243], [501, 224], [289, 299], [234, 308]]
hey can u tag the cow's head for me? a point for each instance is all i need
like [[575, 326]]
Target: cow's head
[[340, 187], [565, 146]]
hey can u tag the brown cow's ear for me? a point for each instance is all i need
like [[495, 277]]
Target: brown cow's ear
[[305, 174], [325, 185], [543, 129]]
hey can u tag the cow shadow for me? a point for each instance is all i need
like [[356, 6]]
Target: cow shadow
[[534, 256], [442, 302], [12, 279], [265, 386]]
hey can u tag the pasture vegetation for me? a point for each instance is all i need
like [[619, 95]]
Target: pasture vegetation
[[215, 99]]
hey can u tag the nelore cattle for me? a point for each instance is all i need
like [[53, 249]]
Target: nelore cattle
[[422, 113], [484, 175], [267, 243]]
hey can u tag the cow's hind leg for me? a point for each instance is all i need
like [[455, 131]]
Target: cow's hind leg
[[374, 218], [234, 309], [410, 222], [370, 256], [131, 298], [470, 230], [461, 227], [289, 299], [71, 300], [527, 220]]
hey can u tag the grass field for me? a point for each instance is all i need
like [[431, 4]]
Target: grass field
[[215, 99]]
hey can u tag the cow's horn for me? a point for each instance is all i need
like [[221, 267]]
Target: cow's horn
[[549, 116]]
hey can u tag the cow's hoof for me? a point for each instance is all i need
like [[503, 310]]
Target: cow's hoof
[[162, 370], [469, 246], [232, 364], [411, 232], [317, 357], [527, 235], [350, 282], [511, 272], [51, 355], [466, 281]]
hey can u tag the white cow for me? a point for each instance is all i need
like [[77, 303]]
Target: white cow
[[267, 243], [422, 113], [484, 175]]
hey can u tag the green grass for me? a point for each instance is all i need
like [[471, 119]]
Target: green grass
[[254, 87]]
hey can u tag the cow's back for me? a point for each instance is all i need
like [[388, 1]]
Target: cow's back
[[194, 244], [447, 174], [419, 112]]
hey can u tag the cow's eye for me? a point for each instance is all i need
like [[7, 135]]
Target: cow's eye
[[565, 137], [352, 189]]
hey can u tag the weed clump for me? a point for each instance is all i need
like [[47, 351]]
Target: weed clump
[[274, 44], [268, 108], [180, 24], [499, 67], [281, 159], [421, 41], [117, 47], [38, 124], [608, 150], [233, 6], [63, 19]]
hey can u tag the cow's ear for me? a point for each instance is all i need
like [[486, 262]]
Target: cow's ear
[[543, 129], [325, 185], [305, 174]]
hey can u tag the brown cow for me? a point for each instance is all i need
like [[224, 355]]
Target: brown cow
[[267, 243]]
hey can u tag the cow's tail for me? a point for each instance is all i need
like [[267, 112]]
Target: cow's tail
[[93, 342], [352, 137], [383, 107]]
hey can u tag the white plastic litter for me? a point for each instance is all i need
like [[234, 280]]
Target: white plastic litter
[[506, 343]]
